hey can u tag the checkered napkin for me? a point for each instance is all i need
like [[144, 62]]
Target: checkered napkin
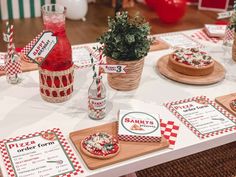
[[170, 131], [229, 35], [12, 68], [203, 36]]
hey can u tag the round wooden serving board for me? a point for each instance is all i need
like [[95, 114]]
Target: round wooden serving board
[[217, 75]]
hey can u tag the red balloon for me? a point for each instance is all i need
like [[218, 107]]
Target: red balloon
[[170, 11], [151, 4]]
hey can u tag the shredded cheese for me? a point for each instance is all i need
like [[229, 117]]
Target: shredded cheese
[[193, 57]]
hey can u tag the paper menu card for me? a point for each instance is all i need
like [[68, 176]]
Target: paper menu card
[[215, 30], [45, 153], [81, 56], [202, 116], [180, 40]]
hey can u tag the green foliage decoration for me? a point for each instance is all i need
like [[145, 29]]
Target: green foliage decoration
[[126, 38], [233, 18]]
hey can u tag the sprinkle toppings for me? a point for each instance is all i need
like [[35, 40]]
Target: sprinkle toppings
[[101, 144], [193, 57]]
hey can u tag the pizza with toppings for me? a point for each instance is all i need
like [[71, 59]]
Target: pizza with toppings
[[100, 145], [191, 62], [233, 105]]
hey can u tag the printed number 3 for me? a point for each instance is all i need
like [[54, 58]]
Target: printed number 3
[[118, 69]]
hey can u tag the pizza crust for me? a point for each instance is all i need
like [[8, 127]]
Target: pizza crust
[[188, 69], [97, 156]]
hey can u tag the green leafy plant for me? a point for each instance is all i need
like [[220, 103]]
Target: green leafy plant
[[233, 18], [126, 38]]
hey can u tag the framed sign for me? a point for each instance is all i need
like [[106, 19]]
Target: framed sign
[[215, 5]]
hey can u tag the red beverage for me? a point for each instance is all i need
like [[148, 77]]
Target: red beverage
[[56, 72], [60, 58]]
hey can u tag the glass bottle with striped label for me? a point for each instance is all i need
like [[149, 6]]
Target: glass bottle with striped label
[[97, 99]]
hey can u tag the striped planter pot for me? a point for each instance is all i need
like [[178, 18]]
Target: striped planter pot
[[15, 9]]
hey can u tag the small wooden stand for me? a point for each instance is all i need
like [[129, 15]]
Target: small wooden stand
[[128, 149], [217, 75], [225, 100]]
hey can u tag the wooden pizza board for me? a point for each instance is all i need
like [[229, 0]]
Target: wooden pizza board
[[26, 66], [217, 75], [128, 150], [225, 100]]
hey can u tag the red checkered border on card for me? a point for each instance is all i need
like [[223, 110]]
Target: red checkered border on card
[[139, 138], [29, 46], [194, 130], [61, 138]]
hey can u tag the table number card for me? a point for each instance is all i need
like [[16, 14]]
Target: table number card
[[202, 116], [45, 153], [181, 40]]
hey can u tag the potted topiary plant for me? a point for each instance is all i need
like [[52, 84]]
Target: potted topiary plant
[[126, 43], [233, 26]]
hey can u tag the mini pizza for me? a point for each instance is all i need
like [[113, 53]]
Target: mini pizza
[[192, 62], [100, 145], [233, 105], [49, 136], [136, 127]]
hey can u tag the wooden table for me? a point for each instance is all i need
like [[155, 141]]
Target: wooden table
[[84, 32], [23, 111]]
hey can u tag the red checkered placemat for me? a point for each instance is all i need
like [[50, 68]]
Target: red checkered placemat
[[64, 144], [206, 100], [203, 36], [169, 129]]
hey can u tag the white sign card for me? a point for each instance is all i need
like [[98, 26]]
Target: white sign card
[[180, 40], [40, 154], [81, 56], [204, 117], [45, 43], [112, 68]]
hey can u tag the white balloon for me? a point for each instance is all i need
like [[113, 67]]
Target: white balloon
[[76, 9]]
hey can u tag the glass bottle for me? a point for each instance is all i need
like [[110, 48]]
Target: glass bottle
[[12, 66], [60, 58], [97, 99], [56, 71]]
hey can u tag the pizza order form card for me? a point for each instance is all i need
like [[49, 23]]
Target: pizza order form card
[[39, 155]]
